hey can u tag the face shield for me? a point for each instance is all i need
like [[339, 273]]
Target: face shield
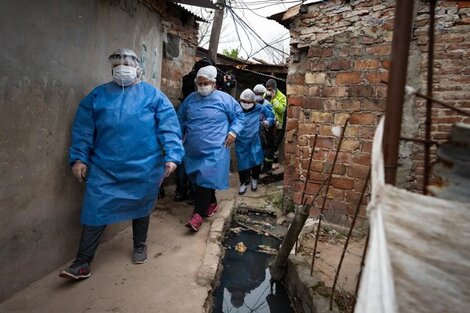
[[126, 68]]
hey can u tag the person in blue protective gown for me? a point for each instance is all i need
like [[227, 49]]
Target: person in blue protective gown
[[125, 139], [248, 148], [210, 122]]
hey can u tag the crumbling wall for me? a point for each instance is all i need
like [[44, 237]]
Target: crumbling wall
[[340, 54]]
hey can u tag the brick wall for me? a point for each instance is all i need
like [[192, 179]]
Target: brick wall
[[176, 24], [340, 53]]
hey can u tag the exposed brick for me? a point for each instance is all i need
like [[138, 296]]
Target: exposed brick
[[292, 124], [340, 118], [336, 91], [366, 132], [363, 118], [307, 128], [371, 104], [318, 52], [377, 77], [342, 183], [348, 78], [325, 142], [315, 78], [322, 117], [318, 65], [295, 101], [296, 79], [357, 171], [367, 64], [379, 50], [343, 157], [336, 194], [314, 91], [313, 103], [339, 64], [325, 130], [344, 105], [340, 169], [350, 145], [361, 91], [366, 146]]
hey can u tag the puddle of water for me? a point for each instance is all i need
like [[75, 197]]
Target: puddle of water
[[245, 281]]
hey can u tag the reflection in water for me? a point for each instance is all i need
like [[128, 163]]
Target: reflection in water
[[244, 284]]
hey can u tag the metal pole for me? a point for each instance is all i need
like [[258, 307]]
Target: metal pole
[[359, 276], [326, 195], [216, 29], [303, 201], [358, 207], [427, 145], [396, 88]]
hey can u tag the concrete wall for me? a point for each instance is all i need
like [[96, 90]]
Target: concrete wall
[[53, 53]]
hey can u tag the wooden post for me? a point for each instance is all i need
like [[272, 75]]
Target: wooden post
[[216, 29]]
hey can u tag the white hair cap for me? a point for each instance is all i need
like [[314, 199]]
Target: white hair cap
[[248, 95], [259, 89], [209, 72]]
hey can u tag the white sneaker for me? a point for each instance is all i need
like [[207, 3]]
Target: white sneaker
[[254, 184], [242, 189], [275, 166]]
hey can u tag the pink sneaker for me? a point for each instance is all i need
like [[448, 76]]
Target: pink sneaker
[[195, 222], [213, 208]]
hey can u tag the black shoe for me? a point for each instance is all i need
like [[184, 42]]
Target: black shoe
[[78, 270], [140, 255]]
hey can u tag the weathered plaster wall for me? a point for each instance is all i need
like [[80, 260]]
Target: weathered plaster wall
[[53, 53], [340, 53]]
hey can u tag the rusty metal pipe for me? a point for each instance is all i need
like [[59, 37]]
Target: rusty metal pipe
[[358, 207], [396, 88], [359, 276], [326, 193]]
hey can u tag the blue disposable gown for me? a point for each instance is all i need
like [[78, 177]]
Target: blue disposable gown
[[121, 133], [248, 144], [205, 123]]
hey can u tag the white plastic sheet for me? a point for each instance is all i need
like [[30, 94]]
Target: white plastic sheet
[[419, 250]]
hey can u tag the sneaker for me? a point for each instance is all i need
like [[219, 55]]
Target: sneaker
[[195, 222], [213, 208], [140, 255], [275, 166], [242, 189], [254, 184], [78, 270]]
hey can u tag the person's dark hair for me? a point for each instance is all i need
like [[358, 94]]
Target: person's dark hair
[[201, 63], [271, 83]]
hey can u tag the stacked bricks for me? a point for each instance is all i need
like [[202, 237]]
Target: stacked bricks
[[340, 54], [184, 26], [451, 72]]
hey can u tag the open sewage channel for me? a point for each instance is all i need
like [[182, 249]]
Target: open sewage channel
[[244, 284]]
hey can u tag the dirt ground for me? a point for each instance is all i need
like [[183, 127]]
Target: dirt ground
[[329, 249]]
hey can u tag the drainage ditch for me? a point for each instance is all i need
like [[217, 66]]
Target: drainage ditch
[[244, 284]]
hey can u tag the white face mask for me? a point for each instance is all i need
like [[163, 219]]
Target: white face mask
[[246, 105], [259, 99], [205, 90], [124, 75]]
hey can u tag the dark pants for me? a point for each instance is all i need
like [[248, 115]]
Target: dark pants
[[277, 142], [267, 142], [183, 184], [91, 235], [203, 198], [251, 172]]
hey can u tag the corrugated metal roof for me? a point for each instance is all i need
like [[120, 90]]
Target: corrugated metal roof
[[198, 3]]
